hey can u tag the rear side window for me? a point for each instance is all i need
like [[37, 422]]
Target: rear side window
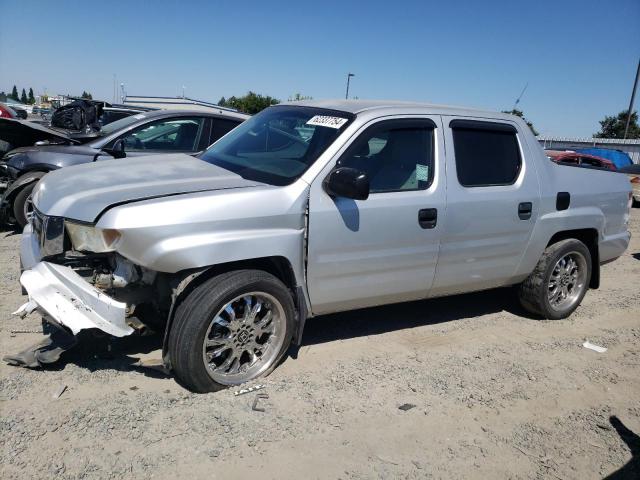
[[487, 154]]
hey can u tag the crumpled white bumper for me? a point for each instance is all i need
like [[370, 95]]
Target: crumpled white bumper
[[71, 301]]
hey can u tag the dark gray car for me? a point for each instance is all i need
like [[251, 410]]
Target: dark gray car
[[148, 133]]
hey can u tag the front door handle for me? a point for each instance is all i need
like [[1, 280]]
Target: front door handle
[[524, 210], [428, 217]]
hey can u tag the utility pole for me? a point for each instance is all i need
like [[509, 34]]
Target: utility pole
[[348, 79], [633, 97]]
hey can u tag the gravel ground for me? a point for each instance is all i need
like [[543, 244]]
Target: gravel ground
[[486, 393]]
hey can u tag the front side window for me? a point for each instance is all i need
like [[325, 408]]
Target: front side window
[[487, 154], [396, 156], [279, 144], [171, 135]]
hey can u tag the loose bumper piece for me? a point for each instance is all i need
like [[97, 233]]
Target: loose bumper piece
[[71, 301]]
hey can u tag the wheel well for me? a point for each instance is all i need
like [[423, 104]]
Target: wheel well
[[279, 267], [179, 285], [588, 236]]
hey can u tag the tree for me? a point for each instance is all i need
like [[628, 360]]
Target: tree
[[613, 126], [14, 93], [251, 103], [23, 96], [518, 113], [3, 97], [31, 98], [86, 95]]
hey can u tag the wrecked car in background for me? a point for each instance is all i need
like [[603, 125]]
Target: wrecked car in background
[[307, 209], [83, 116], [149, 133]]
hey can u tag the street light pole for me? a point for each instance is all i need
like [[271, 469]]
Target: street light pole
[[633, 97], [348, 79]]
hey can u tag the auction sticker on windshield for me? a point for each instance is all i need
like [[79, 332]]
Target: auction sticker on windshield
[[327, 121]]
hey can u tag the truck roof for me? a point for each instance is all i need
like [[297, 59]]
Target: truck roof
[[359, 106]]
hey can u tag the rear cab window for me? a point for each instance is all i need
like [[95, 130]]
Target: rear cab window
[[486, 153]]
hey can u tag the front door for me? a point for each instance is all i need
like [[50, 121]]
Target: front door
[[384, 249], [169, 135]]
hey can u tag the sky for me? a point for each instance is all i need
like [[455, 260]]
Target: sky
[[578, 58]]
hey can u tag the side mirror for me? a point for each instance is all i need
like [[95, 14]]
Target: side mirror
[[347, 182], [117, 151]]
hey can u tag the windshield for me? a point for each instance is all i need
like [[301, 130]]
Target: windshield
[[109, 128], [279, 144]]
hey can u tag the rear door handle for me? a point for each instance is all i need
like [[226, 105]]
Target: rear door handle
[[428, 217], [524, 210]]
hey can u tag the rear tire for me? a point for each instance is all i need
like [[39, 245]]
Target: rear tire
[[20, 201], [231, 329], [559, 282]]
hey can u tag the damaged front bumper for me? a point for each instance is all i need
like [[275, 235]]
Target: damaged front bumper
[[69, 300]]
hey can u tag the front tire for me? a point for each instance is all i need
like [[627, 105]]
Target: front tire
[[22, 206], [559, 282], [231, 329]]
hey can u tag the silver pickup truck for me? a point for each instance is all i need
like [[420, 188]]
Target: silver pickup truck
[[310, 208]]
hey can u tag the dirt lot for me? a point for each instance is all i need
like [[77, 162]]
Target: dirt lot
[[495, 395]]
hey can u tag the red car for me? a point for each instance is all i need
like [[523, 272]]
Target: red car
[[7, 112], [574, 158]]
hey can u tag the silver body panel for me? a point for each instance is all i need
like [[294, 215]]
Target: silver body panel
[[181, 213]]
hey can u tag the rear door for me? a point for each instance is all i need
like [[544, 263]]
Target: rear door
[[383, 249], [492, 204]]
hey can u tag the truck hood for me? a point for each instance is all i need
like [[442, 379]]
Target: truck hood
[[82, 192]]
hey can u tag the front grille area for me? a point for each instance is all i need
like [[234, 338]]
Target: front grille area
[[50, 233]]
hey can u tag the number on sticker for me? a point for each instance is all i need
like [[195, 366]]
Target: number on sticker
[[327, 121]]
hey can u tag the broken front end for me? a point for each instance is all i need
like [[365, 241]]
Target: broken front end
[[77, 281]]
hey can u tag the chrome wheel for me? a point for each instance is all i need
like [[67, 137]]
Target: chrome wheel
[[28, 208], [567, 281], [244, 338]]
